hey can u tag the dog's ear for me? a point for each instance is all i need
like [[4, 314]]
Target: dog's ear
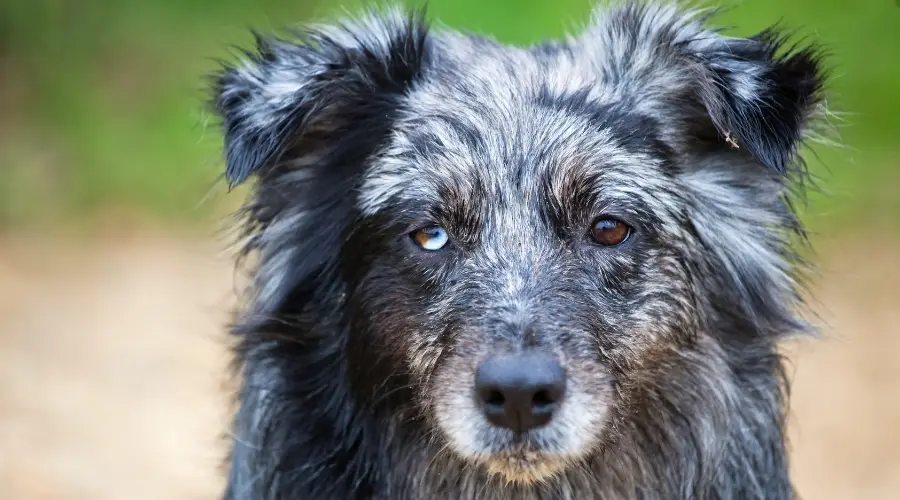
[[667, 63], [330, 83], [758, 97]]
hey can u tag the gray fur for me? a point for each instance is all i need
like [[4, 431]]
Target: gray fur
[[357, 349]]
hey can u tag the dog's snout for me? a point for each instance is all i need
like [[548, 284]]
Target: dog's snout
[[520, 391]]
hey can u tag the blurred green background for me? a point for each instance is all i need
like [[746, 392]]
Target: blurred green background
[[103, 101]]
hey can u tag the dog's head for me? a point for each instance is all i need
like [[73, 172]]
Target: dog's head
[[544, 244]]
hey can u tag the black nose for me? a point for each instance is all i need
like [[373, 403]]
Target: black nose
[[520, 391]]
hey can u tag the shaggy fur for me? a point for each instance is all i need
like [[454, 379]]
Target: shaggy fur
[[357, 349]]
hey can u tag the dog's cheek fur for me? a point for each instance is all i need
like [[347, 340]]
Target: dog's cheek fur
[[397, 325], [747, 237]]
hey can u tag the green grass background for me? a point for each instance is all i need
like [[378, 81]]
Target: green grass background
[[102, 102]]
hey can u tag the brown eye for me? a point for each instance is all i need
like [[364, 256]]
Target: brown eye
[[610, 232]]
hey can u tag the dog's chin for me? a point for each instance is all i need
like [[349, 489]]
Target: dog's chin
[[524, 466]]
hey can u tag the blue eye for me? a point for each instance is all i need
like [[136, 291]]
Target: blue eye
[[430, 238]]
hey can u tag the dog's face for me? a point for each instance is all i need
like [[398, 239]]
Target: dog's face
[[512, 218], [532, 239]]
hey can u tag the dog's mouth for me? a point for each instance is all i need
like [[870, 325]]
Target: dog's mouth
[[524, 464], [524, 459]]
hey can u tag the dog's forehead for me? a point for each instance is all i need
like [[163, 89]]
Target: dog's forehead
[[506, 118], [505, 72]]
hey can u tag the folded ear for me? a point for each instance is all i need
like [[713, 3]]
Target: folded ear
[[329, 84], [754, 93], [759, 96]]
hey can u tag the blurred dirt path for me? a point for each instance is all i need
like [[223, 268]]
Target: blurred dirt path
[[112, 368]]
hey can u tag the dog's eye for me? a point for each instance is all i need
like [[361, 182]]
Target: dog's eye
[[609, 232], [430, 238]]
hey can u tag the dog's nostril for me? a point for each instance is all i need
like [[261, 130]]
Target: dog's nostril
[[495, 398], [520, 392], [542, 399]]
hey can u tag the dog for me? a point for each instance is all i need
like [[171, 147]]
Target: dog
[[555, 271]]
